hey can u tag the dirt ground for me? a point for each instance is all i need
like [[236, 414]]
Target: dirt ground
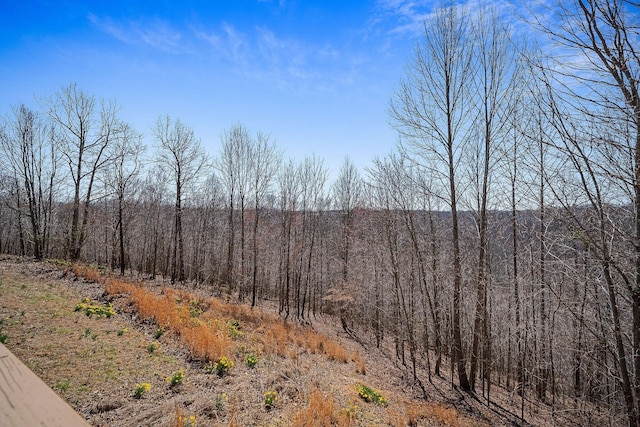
[[97, 363]]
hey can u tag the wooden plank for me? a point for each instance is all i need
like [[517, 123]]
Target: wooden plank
[[25, 400]]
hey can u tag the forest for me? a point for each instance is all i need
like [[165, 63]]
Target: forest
[[499, 241]]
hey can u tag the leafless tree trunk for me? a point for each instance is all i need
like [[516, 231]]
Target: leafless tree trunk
[[234, 166], [430, 110], [605, 34], [495, 60], [86, 135], [29, 150], [181, 153], [346, 195], [289, 188], [121, 177], [265, 161]]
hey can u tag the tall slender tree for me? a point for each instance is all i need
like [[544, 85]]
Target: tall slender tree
[[185, 159], [28, 146], [430, 110], [86, 132], [594, 105]]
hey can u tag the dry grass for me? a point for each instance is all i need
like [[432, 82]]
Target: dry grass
[[93, 363], [320, 411], [416, 414], [313, 374], [202, 334], [361, 367], [87, 272]]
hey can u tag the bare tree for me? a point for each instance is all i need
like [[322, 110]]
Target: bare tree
[[265, 161], [86, 133], [182, 154], [233, 166], [495, 59], [29, 150], [289, 191], [346, 195], [594, 104], [430, 111], [121, 177], [313, 177]]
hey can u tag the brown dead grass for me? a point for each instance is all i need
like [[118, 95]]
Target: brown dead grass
[[320, 411], [203, 336], [313, 374], [415, 413]]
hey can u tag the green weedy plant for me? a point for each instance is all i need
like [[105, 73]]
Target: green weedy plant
[[63, 385], [370, 395], [176, 378], [223, 366], [3, 337], [195, 308], [221, 401], [270, 399], [233, 329], [252, 361], [141, 389], [86, 305]]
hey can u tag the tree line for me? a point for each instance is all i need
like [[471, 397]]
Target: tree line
[[500, 240]]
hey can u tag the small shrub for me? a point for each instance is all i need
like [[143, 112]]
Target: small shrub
[[223, 365], [60, 262], [221, 401], [442, 414], [195, 308], [252, 361], [159, 332], [89, 273], [151, 348], [122, 331], [87, 307], [359, 363], [176, 378], [368, 394], [353, 412], [270, 399], [141, 389], [233, 329], [3, 337]]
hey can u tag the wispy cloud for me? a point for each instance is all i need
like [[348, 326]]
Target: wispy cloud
[[407, 17], [401, 16], [259, 52], [310, 67], [156, 33], [287, 63], [226, 41]]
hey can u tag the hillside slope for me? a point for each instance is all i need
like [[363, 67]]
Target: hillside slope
[[161, 356]]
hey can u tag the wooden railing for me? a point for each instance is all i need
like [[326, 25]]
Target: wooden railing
[[25, 400]]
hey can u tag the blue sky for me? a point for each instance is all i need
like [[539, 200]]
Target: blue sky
[[316, 75]]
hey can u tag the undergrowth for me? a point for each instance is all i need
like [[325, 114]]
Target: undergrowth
[[209, 327]]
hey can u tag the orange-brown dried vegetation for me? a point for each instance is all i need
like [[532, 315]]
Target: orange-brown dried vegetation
[[320, 411]]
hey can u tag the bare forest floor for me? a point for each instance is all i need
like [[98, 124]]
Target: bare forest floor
[[273, 374]]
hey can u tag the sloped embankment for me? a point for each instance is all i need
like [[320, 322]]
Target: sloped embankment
[[175, 358]]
